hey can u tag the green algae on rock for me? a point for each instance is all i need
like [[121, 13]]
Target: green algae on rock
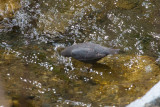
[[132, 67], [131, 63], [8, 8], [137, 74], [126, 4]]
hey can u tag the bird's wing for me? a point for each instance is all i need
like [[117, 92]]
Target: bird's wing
[[83, 53]]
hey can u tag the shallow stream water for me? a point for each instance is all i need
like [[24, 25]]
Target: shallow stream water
[[34, 73]]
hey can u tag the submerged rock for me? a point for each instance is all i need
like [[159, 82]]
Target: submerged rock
[[131, 63], [126, 78], [126, 4], [88, 52], [8, 8]]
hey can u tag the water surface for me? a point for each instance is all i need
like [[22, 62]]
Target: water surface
[[35, 74]]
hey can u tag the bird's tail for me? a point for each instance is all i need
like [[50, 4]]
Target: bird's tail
[[115, 51]]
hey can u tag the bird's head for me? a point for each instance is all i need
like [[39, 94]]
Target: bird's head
[[66, 53]]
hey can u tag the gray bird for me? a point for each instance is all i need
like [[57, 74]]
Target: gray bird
[[88, 52]]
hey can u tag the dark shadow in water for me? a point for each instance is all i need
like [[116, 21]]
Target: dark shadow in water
[[100, 66]]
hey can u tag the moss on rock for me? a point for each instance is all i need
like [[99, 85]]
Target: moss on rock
[[8, 8], [135, 76]]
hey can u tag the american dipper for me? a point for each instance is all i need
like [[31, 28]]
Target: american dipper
[[88, 52]]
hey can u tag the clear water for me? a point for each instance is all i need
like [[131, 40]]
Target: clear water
[[35, 74]]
